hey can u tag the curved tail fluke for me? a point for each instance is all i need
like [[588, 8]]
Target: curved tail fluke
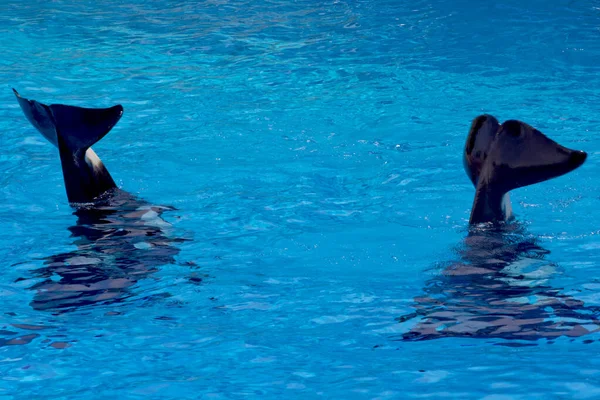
[[78, 127]]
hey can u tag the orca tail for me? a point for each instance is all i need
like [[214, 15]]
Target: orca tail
[[73, 130], [77, 127]]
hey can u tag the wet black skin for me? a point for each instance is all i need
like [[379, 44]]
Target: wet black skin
[[73, 130], [500, 158]]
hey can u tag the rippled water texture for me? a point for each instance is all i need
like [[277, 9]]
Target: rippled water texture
[[295, 214]]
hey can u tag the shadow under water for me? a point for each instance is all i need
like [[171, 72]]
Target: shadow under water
[[499, 290], [119, 241]]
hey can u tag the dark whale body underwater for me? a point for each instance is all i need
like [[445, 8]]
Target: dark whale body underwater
[[498, 289], [120, 238]]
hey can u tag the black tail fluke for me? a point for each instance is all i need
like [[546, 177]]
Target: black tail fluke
[[79, 128]]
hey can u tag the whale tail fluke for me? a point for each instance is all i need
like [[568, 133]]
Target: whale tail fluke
[[77, 127]]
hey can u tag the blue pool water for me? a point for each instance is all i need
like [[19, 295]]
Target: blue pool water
[[312, 153]]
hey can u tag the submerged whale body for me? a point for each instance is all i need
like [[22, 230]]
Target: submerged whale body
[[120, 238], [119, 242], [499, 289], [500, 158]]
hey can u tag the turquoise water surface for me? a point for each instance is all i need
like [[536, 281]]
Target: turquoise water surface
[[311, 152]]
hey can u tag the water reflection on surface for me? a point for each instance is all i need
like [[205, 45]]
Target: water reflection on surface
[[499, 289]]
